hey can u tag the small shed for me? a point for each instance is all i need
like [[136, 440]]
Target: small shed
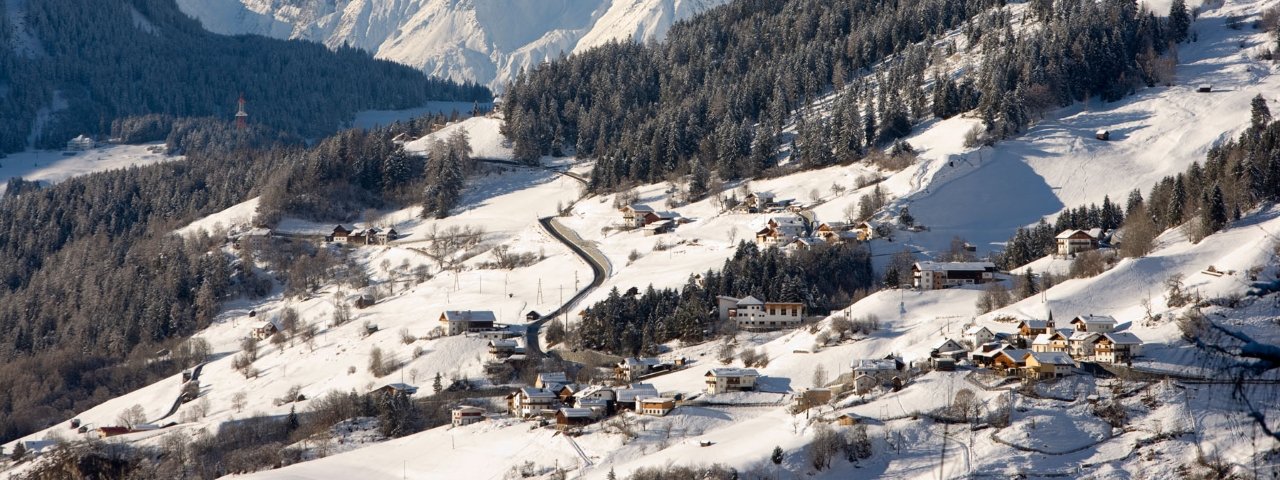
[[364, 301], [532, 315], [1204, 88], [847, 420], [1102, 134]]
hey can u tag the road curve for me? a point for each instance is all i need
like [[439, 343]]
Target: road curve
[[600, 270]]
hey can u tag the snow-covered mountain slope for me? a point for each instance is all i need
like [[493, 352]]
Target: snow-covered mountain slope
[[485, 41], [980, 194]]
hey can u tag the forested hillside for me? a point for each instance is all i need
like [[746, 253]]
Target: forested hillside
[[722, 87], [89, 64]]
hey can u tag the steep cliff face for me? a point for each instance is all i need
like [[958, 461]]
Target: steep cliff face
[[485, 41]]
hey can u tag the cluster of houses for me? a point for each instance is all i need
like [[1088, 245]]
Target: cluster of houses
[[766, 202], [800, 232], [1040, 350], [753, 314], [357, 236], [570, 405]]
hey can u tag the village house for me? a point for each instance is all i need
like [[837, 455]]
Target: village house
[[756, 202], [939, 275], [1116, 347], [394, 388], [503, 348], [80, 143], [835, 233], [978, 335], [1094, 323], [803, 243], [1048, 364], [721, 380], [569, 418], [753, 314], [596, 395], [657, 406], [659, 227], [1080, 344], [632, 368], [1054, 341], [947, 348], [863, 383], [881, 369], [811, 397], [457, 322], [1071, 242], [848, 420], [985, 354], [625, 398], [778, 230], [530, 401], [1030, 328], [601, 408], [1010, 361], [339, 235], [865, 231], [466, 415], [633, 216], [266, 329], [551, 379]]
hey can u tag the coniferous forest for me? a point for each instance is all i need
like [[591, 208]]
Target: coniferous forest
[[719, 91], [94, 63]]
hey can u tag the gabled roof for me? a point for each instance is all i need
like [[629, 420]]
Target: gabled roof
[[874, 364], [1017, 354], [1051, 358], [553, 377], [1034, 323], [592, 402], [732, 371], [750, 300], [592, 390], [1123, 338], [974, 330], [943, 343], [402, 387], [1095, 320], [636, 391], [639, 208], [468, 408], [632, 362], [469, 316], [1068, 233], [533, 392], [1082, 336]]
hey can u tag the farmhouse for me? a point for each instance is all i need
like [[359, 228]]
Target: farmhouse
[[985, 354], [754, 314], [947, 347], [1080, 344], [1054, 341], [633, 216], [339, 235], [567, 418], [466, 415], [756, 202], [1010, 360], [632, 368], [266, 329], [1031, 328], [1116, 347], [550, 379], [1071, 242], [881, 369], [720, 380], [1094, 323], [596, 395], [778, 230], [939, 275], [657, 406], [625, 398], [456, 322], [979, 335], [530, 401], [505, 347], [1048, 364], [80, 143]]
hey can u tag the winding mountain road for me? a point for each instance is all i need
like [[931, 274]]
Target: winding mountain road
[[600, 269]]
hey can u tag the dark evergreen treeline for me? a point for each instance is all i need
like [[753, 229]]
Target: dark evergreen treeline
[[121, 58], [822, 278], [93, 283], [1028, 244], [718, 91]]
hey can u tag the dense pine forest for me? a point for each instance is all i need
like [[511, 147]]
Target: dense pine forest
[[719, 91], [118, 58]]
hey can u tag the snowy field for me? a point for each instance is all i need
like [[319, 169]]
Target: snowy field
[[53, 166]]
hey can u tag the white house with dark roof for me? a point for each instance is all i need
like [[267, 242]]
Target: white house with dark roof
[[947, 347], [721, 380], [457, 322], [531, 401], [1080, 344], [1071, 242], [978, 335]]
